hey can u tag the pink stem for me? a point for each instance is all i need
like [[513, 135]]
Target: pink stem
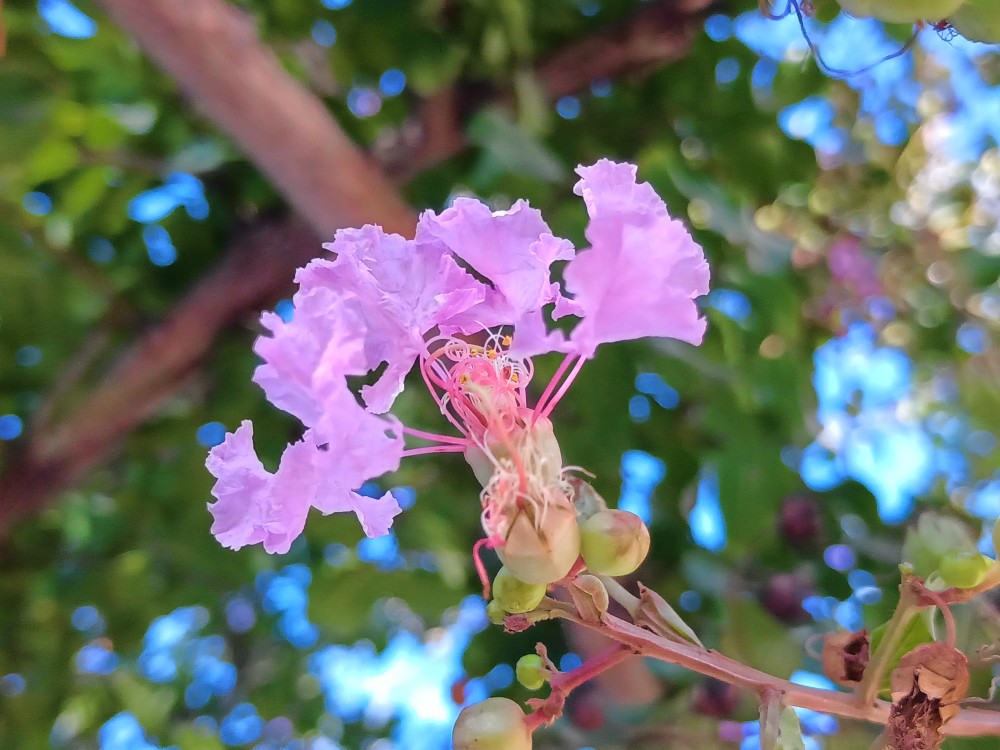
[[477, 560], [563, 388], [564, 683]]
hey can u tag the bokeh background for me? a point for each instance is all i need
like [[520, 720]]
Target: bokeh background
[[847, 386]]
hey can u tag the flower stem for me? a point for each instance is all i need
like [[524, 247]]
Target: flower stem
[[967, 723], [564, 683], [906, 609]]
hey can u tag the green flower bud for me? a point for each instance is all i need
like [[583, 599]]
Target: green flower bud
[[963, 570], [496, 612], [514, 595], [530, 672], [494, 724], [613, 542]]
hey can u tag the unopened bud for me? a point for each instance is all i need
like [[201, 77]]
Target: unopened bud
[[963, 570], [531, 672], [514, 595], [494, 724], [496, 612], [614, 542], [542, 551]]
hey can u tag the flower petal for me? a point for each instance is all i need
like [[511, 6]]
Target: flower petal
[[376, 514], [308, 357], [643, 270], [253, 505], [400, 291], [513, 249]]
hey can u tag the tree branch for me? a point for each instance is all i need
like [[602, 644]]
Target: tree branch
[[211, 50], [969, 722], [155, 366], [659, 33]]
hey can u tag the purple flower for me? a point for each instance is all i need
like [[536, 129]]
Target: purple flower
[[386, 301], [400, 290]]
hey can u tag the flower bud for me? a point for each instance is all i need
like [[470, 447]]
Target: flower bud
[[963, 570], [496, 612], [614, 542], [494, 724], [514, 595], [530, 672], [542, 551]]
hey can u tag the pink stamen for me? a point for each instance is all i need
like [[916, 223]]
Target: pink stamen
[[553, 382], [434, 436], [433, 449], [562, 389]]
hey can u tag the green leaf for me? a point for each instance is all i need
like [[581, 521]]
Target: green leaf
[[514, 147]]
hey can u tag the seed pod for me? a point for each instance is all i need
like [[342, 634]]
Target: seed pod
[[494, 724], [799, 521], [542, 552], [530, 672], [614, 542], [514, 595]]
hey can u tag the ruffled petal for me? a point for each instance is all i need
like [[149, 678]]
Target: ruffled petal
[[253, 505], [306, 358], [642, 271], [375, 514], [400, 292], [512, 249]]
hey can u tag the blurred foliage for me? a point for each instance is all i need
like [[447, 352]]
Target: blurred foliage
[[88, 127]]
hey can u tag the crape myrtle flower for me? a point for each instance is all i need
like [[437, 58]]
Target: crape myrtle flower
[[469, 298]]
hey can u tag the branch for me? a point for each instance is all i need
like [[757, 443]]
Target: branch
[[155, 366], [661, 32], [969, 722], [211, 50]]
